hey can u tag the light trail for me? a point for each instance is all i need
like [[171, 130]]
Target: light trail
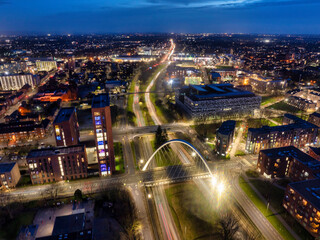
[[165, 223]]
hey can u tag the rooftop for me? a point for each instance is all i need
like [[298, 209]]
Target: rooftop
[[295, 153], [100, 101], [55, 151], [298, 123], [26, 126], [64, 115], [227, 127], [68, 224], [315, 114], [215, 92], [6, 167], [310, 190], [315, 150]]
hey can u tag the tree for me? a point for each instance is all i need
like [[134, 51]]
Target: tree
[[229, 227], [78, 195], [161, 137], [53, 191]]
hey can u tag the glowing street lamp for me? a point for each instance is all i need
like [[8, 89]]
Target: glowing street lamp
[[193, 154], [220, 187], [149, 196], [213, 181], [141, 161]]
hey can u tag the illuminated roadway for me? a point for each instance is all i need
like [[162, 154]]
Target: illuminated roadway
[[265, 227], [132, 180]]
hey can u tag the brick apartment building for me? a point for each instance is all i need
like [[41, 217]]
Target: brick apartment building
[[288, 162], [20, 131], [9, 175], [302, 201], [66, 127], [57, 164], [295, 132], [101, 117]]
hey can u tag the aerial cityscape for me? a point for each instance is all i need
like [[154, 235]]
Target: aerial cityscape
[[158, 120]]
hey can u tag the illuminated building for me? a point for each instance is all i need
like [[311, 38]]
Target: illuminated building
[[314, 118], [267, 85], [288, 162], [314, 152], [66, 127], [216, 101], [17, 81], [57, 164], [215, 77], [302, 201], [302, 103], [101, 117], [224, 137], [226, 73], [136, 58], [295, 132], [19, 131], [46, 65], [312, 96], [9, 175], [64, 95]]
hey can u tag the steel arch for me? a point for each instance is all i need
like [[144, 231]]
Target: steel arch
[[179, 141]]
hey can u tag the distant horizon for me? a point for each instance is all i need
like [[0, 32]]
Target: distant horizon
[[286, 17], [52, 34]]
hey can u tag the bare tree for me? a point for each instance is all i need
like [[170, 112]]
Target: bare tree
[[6, 203], [229, 227], [53, 191]]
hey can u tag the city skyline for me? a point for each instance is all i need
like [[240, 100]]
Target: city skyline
[[231, 16]]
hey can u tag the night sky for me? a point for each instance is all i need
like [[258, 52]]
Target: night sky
[[184, 16]]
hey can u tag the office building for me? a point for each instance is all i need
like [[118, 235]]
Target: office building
[[302, 201], [224, 137], [17, 81], [66, 127], [216, 101], [46, 65], [314, 118], [57, 164], [288, 162], [297, 132], [101, 117], [9, 175]]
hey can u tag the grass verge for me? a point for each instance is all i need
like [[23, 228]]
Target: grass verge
[[192, 213], [275, 195], [282, 106], [119, 160]]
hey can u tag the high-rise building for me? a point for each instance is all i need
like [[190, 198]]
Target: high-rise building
[[101, 117], [57, 164], [17, 81], [66, 127]]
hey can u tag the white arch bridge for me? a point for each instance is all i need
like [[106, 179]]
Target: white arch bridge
[[175, 160]]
